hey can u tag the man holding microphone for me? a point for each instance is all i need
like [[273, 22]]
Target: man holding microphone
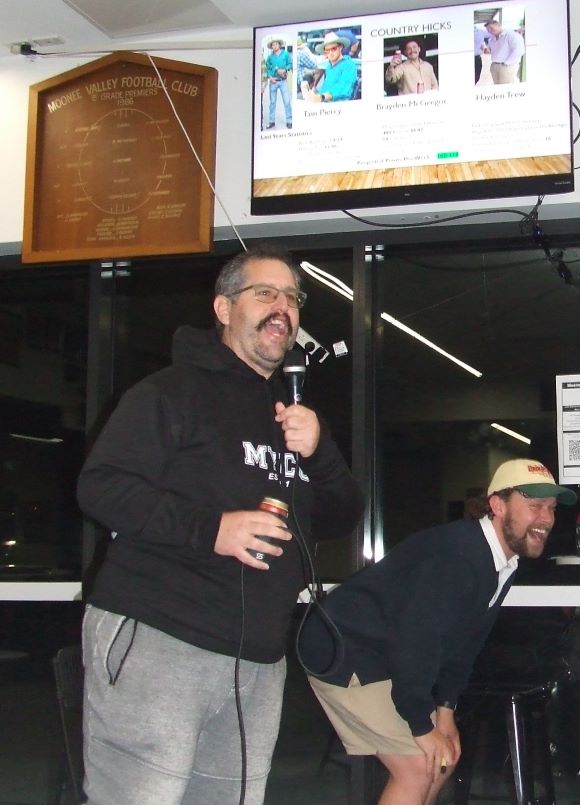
[[185, 630]]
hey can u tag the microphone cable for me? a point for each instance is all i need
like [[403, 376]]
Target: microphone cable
[[239, 709], [242, 729], [316, 590], [314, 586], [294, 369]]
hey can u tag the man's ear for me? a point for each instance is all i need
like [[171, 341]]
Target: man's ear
[[221, 307], [497, 505]]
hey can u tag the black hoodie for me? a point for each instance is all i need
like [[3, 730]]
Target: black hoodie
[[184, 445]]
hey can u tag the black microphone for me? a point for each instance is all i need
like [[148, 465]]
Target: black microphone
[[295, 369]]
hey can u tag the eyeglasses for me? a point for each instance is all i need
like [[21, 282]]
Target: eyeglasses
[[331, 48], [268, 294]]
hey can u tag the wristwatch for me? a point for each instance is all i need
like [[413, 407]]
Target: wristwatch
[[322, 98]]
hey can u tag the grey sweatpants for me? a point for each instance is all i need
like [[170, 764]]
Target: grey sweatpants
[[160, 719]]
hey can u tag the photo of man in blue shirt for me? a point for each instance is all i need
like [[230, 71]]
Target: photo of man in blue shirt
[[278, 65], [341, 73]]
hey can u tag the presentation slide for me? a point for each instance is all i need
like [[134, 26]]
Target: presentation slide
[[455, 94]]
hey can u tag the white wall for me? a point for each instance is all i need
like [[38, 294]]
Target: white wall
[[17, 73]]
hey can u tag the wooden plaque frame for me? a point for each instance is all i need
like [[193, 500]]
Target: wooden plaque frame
[[110, 172]]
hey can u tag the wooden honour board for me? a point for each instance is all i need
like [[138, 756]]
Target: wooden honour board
[[109, 170]]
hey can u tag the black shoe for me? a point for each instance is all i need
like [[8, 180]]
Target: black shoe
[[270, 125], [288, 125]]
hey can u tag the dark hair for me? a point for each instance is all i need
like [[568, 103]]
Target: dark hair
[[417, 40], [232, 276], [504, 494], [478, 507]]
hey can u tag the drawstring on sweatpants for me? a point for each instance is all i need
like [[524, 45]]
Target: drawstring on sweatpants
[[113, 677]]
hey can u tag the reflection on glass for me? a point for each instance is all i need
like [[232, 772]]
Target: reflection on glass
[[506, 312], [43, 331]]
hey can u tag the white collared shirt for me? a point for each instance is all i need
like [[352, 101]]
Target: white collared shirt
[[504, 566]]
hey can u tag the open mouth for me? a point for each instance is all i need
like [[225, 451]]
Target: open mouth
[[538, 535], [277, 325]]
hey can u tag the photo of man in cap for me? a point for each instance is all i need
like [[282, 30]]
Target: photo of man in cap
[[341, 72], [412, 624], [278, 66]]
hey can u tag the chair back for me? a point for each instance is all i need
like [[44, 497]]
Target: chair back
[[69, 676]]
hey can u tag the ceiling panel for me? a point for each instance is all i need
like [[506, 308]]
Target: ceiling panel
[[141, 17]]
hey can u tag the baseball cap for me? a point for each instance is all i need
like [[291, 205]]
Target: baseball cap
[[530, 477]]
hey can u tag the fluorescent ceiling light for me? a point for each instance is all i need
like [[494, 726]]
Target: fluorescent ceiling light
[[27, 438], [338, 285], [430, 344], [328, 279], [512, 433]]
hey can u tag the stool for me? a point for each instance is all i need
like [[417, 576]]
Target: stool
[[524, 709]]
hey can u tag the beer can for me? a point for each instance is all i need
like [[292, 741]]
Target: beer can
[[280, 509]]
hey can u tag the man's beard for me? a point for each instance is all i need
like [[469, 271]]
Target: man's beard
[[272, 356], [521, 546]]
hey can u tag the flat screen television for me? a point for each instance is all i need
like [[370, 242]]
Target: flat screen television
[[412, 107]]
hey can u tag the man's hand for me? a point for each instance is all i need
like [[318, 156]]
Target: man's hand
[[438, 751], [445, 722], [313, 96], [241, 530], [301, 428]]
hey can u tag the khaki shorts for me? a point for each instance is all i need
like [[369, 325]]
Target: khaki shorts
[[365, 718]]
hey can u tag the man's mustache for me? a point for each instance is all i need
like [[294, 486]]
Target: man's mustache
[[284, 316]]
